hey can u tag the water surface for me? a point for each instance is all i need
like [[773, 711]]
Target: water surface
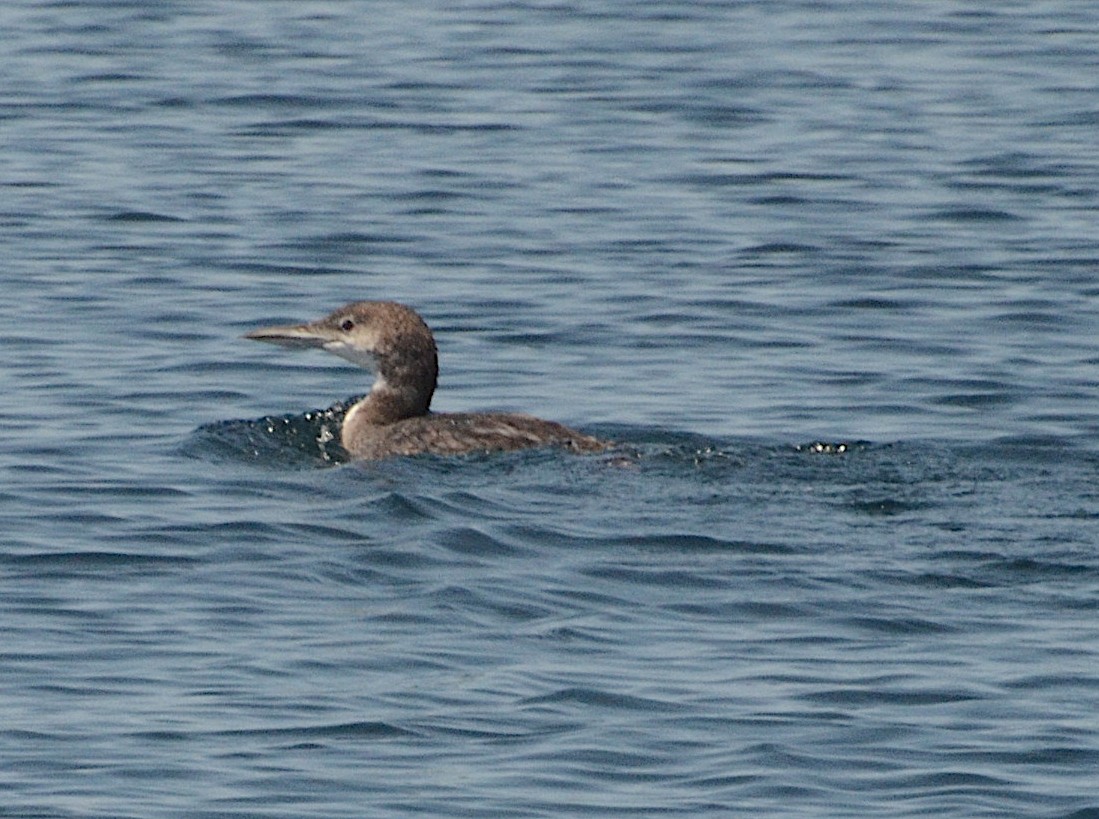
[[826, 272]]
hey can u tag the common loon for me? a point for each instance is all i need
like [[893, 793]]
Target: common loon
[[394, 418]]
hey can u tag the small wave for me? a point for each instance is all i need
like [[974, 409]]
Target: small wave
[[96, 559], [599, 698], [372, 729], [141, 216]]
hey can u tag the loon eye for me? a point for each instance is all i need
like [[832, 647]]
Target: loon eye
[[347, 325]]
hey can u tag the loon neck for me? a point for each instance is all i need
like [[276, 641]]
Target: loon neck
[[381, 407], [386, 405]]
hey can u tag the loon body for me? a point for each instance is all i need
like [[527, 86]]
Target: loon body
[[395, 417]]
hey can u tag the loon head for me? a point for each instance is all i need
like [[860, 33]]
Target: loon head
[[387, 338]]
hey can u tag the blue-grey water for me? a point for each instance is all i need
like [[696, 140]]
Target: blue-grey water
[[827, 272]]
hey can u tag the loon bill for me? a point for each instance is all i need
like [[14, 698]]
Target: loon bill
[[395, 417]]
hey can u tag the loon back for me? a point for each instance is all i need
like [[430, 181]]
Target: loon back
[[455, 433]]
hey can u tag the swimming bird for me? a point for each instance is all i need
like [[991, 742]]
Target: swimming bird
[[395, 417]]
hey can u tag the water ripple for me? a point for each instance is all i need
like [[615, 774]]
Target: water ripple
[[828, 278]]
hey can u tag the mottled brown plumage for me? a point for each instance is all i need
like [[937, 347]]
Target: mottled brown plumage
[[395, 418]]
